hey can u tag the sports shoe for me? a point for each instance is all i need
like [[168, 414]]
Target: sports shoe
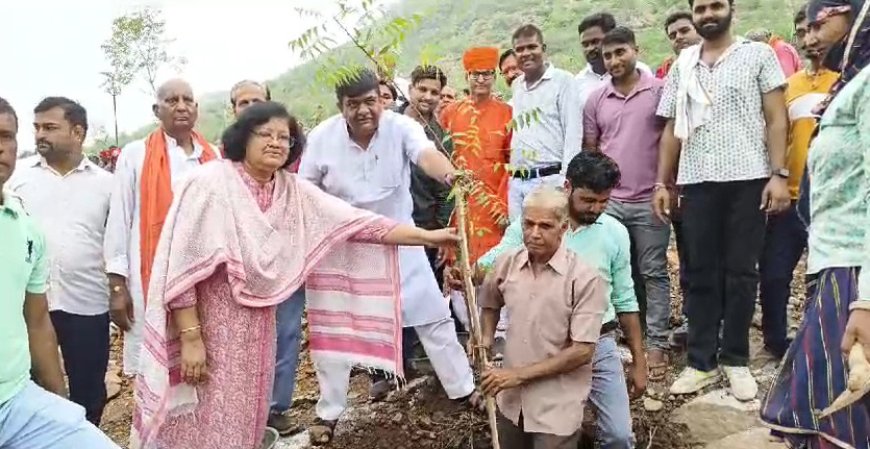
[[743, 385], [692, 381]]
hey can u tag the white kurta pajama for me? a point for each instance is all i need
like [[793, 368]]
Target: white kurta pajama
[[122, 229], [378, 179]]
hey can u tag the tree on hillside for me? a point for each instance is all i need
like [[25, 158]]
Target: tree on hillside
[[139, 44], [119, 77]]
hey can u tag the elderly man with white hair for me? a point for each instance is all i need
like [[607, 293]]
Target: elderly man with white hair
[[558, 303], [146, 172]]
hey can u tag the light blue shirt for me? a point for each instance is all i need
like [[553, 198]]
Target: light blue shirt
[[603, 245]]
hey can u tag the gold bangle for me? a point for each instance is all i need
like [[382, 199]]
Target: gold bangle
[[190, 329]]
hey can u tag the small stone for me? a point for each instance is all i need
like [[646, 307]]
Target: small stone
[[431, 435], [113, 385], [652, 405], [397, 418]]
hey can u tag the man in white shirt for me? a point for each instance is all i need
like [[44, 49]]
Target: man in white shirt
[[364, 157], [145, 174], [592, 30], [547, 118], [68, 196]]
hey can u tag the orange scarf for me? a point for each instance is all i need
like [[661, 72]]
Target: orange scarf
[[156, 196]]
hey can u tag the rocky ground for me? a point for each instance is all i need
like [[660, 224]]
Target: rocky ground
[[420, 416]]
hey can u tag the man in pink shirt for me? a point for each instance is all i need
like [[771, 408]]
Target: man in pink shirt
[[619, 119], [788, 57]]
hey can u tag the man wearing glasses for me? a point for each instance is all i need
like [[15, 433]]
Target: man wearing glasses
[[478, 125]]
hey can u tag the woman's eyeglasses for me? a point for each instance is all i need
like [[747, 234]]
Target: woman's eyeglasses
[[283, 139]]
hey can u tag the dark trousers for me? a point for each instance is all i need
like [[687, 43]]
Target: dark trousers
[[682, 254], [724, 232], [84, 342], [784, 243], [512, 436]]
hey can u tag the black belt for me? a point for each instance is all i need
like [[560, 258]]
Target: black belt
[[609, 327], [532, 173]]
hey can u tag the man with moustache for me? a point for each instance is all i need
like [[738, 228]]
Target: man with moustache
[[592, 30], [509, 66], [681, 33], [547, 117], [602, 242], [786, 236], [146, 173], [478, 125], [547, 375], [448, 97], [34, 415], [620, 120], [78, 294], [363, 156], [246, 93], [432, 208], [727, 126]]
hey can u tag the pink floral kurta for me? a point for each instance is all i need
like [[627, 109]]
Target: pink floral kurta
[[240, 355]]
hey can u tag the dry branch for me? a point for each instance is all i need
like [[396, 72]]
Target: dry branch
[[481, 357]]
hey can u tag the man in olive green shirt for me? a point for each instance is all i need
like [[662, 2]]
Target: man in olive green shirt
[[30, 415]]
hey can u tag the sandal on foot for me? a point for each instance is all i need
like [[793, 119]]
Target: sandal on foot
[[321, 432], [657, 369]]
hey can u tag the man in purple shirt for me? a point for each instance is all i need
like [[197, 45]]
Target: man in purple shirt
[[620, 120]]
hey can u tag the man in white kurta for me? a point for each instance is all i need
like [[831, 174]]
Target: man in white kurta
[[377, 178], [177, 113]]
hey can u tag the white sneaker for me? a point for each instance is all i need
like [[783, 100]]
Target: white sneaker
[[692, 381], [743, 385]]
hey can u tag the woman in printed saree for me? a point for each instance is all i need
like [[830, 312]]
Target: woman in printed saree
[[250, 233], [815, 371]]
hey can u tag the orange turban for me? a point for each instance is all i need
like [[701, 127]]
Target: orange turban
[[480, 59]]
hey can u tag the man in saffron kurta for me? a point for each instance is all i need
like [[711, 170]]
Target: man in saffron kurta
[[478, 126], [145, 175]]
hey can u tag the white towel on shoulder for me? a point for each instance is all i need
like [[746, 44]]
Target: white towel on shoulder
[[693, 103]]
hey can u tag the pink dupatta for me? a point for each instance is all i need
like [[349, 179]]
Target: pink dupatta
[[353, 288]]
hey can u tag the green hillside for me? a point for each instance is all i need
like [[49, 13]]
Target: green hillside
[[450, 26]]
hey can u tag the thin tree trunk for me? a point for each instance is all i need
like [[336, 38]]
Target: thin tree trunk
[[115, 113]]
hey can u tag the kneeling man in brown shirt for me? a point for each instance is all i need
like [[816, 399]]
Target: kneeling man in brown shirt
[[556, 304]]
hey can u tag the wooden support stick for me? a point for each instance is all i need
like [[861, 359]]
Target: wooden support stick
[[481, 357]]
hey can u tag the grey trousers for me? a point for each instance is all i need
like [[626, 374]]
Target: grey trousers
[[649, 265], [512, 436]]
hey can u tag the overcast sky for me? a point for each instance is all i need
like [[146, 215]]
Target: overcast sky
[[52, 47]]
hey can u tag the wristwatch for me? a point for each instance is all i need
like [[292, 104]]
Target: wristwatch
[[781, 172]]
